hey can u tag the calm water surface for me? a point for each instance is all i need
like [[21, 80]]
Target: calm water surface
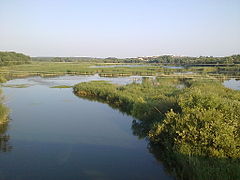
[[135, 65], [232, 83], [120, 65], [174, 67], [56, 135]]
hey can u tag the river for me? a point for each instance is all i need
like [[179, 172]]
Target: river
[[54, 134]]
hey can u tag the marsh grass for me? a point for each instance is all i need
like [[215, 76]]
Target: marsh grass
[[197, 127], [54, 69], [4, 111]]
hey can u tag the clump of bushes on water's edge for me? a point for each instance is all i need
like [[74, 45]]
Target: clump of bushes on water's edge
[[198, 126], [3, 111], [208, 124]]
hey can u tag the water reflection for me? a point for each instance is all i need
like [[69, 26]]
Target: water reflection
[[75, 136], [188, 167], [4, 138], [182, 166], [140, 128], [174, 67], [232, 83], [59, 136], [120, 65]]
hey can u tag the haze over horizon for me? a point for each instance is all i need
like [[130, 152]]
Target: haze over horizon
[[120, 28]]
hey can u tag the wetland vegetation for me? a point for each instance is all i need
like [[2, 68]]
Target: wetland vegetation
[[189, 119], [12, 58], [220, 67], [3, 110], [196, 127]]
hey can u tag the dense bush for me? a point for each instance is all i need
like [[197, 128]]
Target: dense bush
[[208, 124], [198, 126], [12, 58], [3, 110]]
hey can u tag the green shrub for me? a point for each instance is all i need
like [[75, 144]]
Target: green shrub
[[197, 127]]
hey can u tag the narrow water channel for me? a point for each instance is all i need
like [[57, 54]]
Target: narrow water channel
[[55, 135]]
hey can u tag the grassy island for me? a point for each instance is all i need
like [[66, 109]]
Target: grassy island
[[193, 124]]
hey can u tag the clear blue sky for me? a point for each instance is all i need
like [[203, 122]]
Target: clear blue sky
[[120, 28]]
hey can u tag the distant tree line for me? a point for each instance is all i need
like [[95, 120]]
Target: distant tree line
[[13, 58], [166, 59], [67, 59], [181, 60]]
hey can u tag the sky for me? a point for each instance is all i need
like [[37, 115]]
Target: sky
[[120, 28]]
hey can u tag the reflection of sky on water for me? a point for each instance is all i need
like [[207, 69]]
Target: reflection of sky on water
[[174, 67], [232, 83], [57, 135], [120, 65], [72, 80]]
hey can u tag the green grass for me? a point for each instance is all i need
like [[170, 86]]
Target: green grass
[[51, 69], [56, 68]]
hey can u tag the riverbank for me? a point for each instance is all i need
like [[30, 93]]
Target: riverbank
[[197, 127], [68, 133]]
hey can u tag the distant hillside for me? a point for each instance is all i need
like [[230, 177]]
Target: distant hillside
[[13, 58]]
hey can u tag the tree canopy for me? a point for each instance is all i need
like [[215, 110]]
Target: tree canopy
[[13, 58]]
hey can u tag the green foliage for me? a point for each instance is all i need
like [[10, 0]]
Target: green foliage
[[133, 97], [187, 167], [202, 60], [198, 127], [4, 138], [166, 59], [208, 124], [3, 111], [12, 58], [44, 69], [2, 79]]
